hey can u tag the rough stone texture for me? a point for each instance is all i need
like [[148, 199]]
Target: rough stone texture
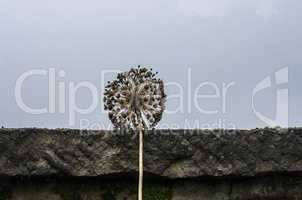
[[239, 164], [172, 154]]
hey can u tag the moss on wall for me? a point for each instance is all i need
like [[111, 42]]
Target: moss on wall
[[5, 193], [157, 192], [286, 187], [4, 196], [126, 191], [108, 195]]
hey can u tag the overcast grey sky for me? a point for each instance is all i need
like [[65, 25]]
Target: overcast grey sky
[[220, 41]]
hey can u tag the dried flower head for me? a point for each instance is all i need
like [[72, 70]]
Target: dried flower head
[[135, 99]]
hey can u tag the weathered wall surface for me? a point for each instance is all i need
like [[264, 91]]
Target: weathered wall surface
[[277, 187], [181, 164]]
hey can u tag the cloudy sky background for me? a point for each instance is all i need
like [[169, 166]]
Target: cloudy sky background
[[221, 41]]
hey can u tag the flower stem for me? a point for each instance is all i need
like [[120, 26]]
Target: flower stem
[[141, 165]]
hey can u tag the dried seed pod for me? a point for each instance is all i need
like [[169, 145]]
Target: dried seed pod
[[135, 98]]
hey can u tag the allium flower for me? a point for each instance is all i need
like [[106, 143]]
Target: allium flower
[[135, 99]]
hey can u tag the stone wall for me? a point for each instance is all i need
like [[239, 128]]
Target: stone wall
[[179, 164]]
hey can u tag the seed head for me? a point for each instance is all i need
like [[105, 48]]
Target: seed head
[[136, 98]]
